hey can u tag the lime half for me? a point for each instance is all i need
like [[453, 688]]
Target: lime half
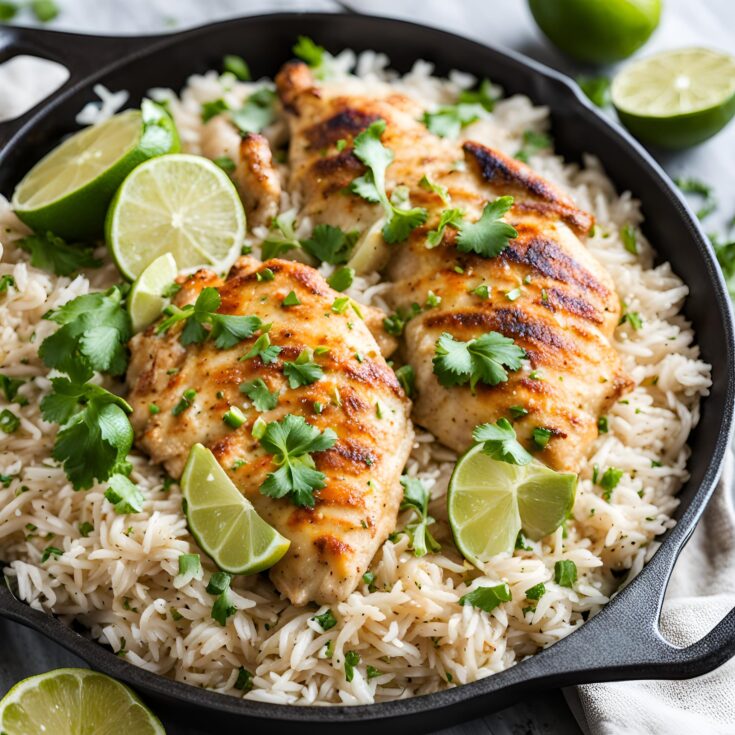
[[598, 31], [74, 701], [490, 501], [676, 99], [223, 522], [69, 190], [179, 204], [146, 299]]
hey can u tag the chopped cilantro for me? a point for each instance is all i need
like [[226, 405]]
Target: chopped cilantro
[[407, 379], [448, 217], [326, 620], [416, 498], [603, 425], [342, 278], [330, 244], [257, 112], [629, 238], [124, 495], [85, 528], [536, 592], [518, 412], [292, 442], [50, 551], [303, 370], [51, 253], [213, 108], [6, 282], [263, 349], [489, 236], [244, 681], [533, 142], [441, 191], [500, 442], [484, 95], [291, 299], [483, 359], [565, 573], [448, 120], [609, 481], [541, 437], [257, 391], [487, 598], [238, 66], [281, 236], [352, 659]]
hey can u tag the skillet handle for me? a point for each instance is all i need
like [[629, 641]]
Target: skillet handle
[[82, 55]]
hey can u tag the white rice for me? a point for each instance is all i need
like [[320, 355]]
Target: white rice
[[119, 581]]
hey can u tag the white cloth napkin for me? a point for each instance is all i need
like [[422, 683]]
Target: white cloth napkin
[[701, 592]]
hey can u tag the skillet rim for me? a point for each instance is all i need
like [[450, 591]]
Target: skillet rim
[[672, 542]]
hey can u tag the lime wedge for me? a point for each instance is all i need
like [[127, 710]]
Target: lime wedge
[[490, 501], [676, 99], [223, 521], [146, 300], [181, 204], [371, 252], [69, 190], [74, 701]]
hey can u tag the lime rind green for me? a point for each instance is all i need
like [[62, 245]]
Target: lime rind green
[[73, 701], [224, 522], [676, 99], [69, 190], [490, 501], [181, 204], [145, 300]]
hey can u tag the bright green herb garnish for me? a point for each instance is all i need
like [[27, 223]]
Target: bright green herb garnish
[[9, 422], [483, 359], [533, 143], [292, 442], [369, 149], [448, 120], [487, 598], [448, 217], [352, 659], [407, 379], [51, 253], [50, 551], [124, 495], [441, 191], [244, 681], [234, 417], [541, 437], [257, 391], [342, 278], [489, 236], [416, 498], [303, 370], [565, 573], [238, 66], [263, 349], [499, 440], [326, 620], [536, 592], [190, 567]]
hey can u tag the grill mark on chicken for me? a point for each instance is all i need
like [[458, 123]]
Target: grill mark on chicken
[[544, 256], [557, 299], [336, 172], [500, 170], [344, 124]]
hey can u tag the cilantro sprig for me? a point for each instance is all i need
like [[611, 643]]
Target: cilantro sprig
[[227, 330], [369, 149], [292, 441], [93, 334], [489, 236], [447, 121], [416, 498], [487, 598], [499, 442], [51, 253], [483, 359], [95, 435]]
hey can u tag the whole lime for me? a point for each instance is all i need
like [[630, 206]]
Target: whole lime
[[597, 31]]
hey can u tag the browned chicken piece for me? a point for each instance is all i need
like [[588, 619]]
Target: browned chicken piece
[[566, 307], [255, 175], [358, 397]]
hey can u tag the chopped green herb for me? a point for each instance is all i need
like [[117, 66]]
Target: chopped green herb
[[490, 235], [448, 120], [352, 659], [432, 300], [565, 573], [185, 402], [303, 370], [629, 238], [484, 95], [518, 412], [487, 598], [51, 253], [330, 244], [153, 409], [263, 349], [533, 143], [371, 185], [633, 318], [234, 417], [448, 218], [416, 498], [373, 673], [369, 579], [521, 544], [244, 681], [541, 437], [483, 291], [213, 108], [292, 442], [291, 299], [340, 145], [6, 282], [341, 279], [124, 495], [536, 592], [500, 442], [407, 379], [9, 422], [85, 528], [190, 567], [483, 359], [50, 551], [257, 391], [265, 274], [259, 427], [514, 294], [281, 236], [326, 620], [441, 191], [609, 481], [257, 112], [238, 66], [603, 425]]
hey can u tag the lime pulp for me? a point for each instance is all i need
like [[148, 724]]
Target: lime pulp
[[146, 300]]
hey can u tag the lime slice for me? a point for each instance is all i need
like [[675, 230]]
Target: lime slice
[[74, 701], [69, 190], [182, 204], [371, 252], [676, 99], [490, 501], [598, 31], [223, 522], [146, 300]]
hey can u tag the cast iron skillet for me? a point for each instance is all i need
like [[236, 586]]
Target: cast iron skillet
[[622, 641]]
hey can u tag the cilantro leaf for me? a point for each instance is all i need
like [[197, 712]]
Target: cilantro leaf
[[124, 495], [281, 236], [533, 142], [352, 659], [213, 108], [447, 121], [484, 95], [487, 598], [441, 191], [292, 441], [500, 442], [317, 57], [51, 253], [263, 349], [95, 435], [488, 236], [93, 335], [227, 330], [416, 497], [330, 244], [342, 278], [302, 371], [238, 66], [326, 620], [9, 386], [449, 217], [369, 149], [484, 359], [257, 391], [565, 573], [257, 112]]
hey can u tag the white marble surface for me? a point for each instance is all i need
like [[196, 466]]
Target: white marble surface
[[500, 22]]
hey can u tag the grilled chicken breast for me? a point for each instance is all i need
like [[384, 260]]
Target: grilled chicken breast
[[358, 397], [546, 291]]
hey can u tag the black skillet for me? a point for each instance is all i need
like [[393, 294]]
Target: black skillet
[[623, 640]]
